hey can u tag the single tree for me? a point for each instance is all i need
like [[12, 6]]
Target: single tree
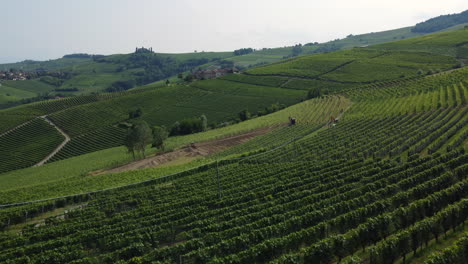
[[135, 114], [138, 137], [160, 134], [244, 115], [204, 121], [313, 93], [189, 78], [175, 129]]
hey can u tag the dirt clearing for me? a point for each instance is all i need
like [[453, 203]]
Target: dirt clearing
[[189, 153]]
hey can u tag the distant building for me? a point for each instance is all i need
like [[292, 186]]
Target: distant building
[[215, 73], [143, 50], [14, 76]]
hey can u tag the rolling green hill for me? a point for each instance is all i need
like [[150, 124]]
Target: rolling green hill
[[50, 65], [397, 155], [93, 122], [93, 73], [452, 43], [373, 172]]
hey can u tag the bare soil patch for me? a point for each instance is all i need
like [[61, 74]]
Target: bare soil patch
[[189, 152]]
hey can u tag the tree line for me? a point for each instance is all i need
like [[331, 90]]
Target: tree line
[[441, 22], [140, 134]]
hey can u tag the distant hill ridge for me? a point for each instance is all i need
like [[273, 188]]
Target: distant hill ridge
[[441, 22]]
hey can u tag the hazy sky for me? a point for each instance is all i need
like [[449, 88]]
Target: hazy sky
[[47, 29]]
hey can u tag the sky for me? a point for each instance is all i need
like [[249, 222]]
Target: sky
[[49, 29]]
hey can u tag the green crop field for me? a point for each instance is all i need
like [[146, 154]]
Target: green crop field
[[9, 94], [92, 121], [375, 170], [28, 145], [452, 43], [310, 114], [51, 65], [358, 66]]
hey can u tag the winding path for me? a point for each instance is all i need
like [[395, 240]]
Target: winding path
[[58, 148]]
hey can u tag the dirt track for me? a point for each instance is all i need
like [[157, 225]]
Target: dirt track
[[189, 152]]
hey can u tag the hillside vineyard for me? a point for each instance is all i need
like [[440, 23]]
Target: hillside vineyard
[[375, 170]]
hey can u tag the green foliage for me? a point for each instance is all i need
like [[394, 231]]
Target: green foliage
[[160, 135], [441, 22], [296, 50], [138, 137], [244, 115], [379, 180], [28, 145], [188, 126], [243, 51], [456, 254], [313, 93], [135, 114], [452, 43]]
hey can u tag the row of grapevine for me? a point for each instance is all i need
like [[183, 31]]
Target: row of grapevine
[[28, 145], [243, 216]]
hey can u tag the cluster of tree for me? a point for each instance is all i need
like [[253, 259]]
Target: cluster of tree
[[441, 22], [120, 86], [246, 115], [243, 51], [160, 134], [311, 44], [51, 80], [271, 109], [135, 113], [78, 56], [328, 47], [155, 67], [74, 89], [226, 64], [99, 58], [314, 93], [188, 78], [189, 126], [297, 50], [140, 135], [192, 63]]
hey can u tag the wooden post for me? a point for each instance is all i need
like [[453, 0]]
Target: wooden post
[[217, 176]]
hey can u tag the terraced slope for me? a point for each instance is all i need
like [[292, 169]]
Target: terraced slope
[[283, 210], [51, 180], [93, 121], [28, 145], [382, 180], [453, 43], [323, 198]]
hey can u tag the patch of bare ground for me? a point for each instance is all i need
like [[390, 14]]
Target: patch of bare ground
[[188, 153]]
